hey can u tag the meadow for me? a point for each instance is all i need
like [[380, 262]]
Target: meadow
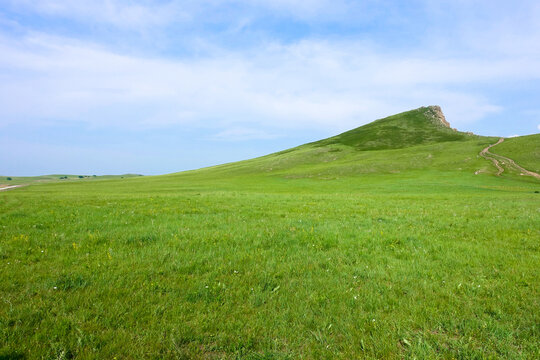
[[312, 253]]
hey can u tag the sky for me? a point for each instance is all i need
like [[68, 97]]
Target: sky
[[154, 87]]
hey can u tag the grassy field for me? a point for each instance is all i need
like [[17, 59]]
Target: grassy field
[[319, 252]]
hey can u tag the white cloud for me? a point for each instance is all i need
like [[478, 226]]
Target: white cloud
[[538, 127], [312, 83]]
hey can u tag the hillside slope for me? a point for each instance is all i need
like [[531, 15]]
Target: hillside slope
[[525, 150], [419, 139]]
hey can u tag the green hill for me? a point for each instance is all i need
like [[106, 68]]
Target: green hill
[[419, 140]]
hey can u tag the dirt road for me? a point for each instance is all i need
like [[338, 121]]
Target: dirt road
[[489, 156], [9, 187], [498, 159]]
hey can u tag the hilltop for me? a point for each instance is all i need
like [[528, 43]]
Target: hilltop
[[421, 126]]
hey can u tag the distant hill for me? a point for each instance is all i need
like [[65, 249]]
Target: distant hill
[[18, 180]]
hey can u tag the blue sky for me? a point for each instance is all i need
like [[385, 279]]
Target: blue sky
[[153, 87]]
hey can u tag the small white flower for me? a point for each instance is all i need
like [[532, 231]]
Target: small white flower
[[54, 288]]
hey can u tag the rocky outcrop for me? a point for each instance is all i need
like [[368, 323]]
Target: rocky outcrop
[[435, 113]]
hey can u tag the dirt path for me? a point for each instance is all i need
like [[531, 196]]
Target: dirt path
[[495, 158], [489, 156], [9, 187]]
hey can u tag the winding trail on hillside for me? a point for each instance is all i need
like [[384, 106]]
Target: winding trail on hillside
[[495, 158], [489, 156]]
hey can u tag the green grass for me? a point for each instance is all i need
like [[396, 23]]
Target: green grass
[[308, 253]]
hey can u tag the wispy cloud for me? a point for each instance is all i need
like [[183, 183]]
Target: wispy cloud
[[309, 83]]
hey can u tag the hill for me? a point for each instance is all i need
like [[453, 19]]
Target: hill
[[419, 140]]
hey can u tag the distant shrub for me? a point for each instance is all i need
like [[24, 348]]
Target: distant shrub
[[8, 178], [81, 177]]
